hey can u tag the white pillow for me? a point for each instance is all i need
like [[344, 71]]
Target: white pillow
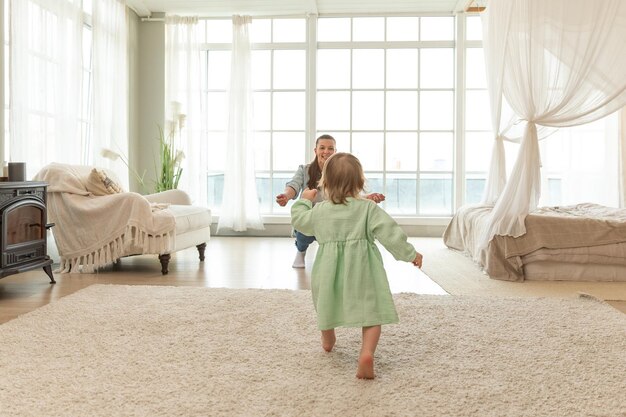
[[100, 183]]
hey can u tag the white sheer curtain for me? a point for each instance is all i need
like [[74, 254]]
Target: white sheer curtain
[[183, 95], [45, 82], [622, 156], [563, 63], [110, 81], [240, 204]]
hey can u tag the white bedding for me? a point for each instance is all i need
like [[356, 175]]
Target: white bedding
[[581, 242]]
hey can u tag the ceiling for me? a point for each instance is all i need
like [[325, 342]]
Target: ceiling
[[145, 8]]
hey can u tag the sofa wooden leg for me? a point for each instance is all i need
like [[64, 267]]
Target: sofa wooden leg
[[165, 260], [201, 247]]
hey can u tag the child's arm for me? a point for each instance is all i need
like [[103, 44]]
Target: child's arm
[[301, 216], [309, 194], [385, 229]]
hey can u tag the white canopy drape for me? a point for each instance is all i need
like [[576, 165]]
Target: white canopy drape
[[240, 204], [183, 96], [556, 63]]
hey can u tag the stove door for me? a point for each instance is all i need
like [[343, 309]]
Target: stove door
[[23, 232]]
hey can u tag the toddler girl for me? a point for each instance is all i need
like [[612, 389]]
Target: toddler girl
[[348, 280]]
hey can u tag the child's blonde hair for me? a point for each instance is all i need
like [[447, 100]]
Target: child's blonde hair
[[342, 177]]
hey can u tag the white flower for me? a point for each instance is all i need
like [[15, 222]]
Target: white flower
[[176, 106], [109, 154], [114, 156], [180, 155]]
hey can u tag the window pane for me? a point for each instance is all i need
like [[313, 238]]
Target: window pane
[[333, 68], [477, 113], [262, 151], [436, 151], [215, 189], [333, 29], [367, 110], [554, 195], [474, 188], [402, 110], [476, 75], [219, 31], [289, 30], [473, 28], [401, 194], [369, 148], [581, 164], [437, 68], [217, 109], [478, 147], [373, 183], [261, 31], [368, 68], [288, 150], [217, 145], [288, 112], [261, 69], [87, 39], [262, 107], [401, 151], [264, 192], [437, 28], [368, 29], [402, 68], [333, 110], [436, 194], [280, 179], [289, 69], [436, 110], [219, 70], [342, 140], [402, 28]]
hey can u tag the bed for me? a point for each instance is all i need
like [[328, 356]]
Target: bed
[[582, 242]]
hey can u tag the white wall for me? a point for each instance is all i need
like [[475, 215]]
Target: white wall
[[147, 94]]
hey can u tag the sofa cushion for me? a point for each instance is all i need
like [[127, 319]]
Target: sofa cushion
[[99, 183], [190, 218]]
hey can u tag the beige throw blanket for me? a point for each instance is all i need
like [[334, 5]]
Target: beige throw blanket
[[95, 231], [581, 225]]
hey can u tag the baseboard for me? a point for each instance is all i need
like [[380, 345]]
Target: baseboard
[[284, 230]]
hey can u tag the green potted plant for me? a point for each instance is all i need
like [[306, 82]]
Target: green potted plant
[[169, 168]]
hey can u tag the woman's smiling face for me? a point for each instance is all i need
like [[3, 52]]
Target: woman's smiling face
[[323, 150]]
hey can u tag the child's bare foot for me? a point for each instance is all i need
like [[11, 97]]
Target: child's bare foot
[[328, 339], [366, 366]]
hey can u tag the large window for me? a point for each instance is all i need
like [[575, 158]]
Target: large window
[[384, 90], [279, 68], [387, 89], [41, 116]]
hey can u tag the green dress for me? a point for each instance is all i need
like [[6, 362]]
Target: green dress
[[348, 282]]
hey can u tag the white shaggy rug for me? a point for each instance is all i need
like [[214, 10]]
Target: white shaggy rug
[[112, 350]]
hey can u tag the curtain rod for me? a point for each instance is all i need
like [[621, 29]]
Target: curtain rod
[[162, 19]]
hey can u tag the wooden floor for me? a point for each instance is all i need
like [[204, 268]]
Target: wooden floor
[[231, 262]]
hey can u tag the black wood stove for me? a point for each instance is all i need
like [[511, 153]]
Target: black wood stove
[[23, 243]]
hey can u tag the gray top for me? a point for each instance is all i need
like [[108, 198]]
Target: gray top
[[299, 181]]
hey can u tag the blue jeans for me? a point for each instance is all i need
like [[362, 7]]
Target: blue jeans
[[303, 241]]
